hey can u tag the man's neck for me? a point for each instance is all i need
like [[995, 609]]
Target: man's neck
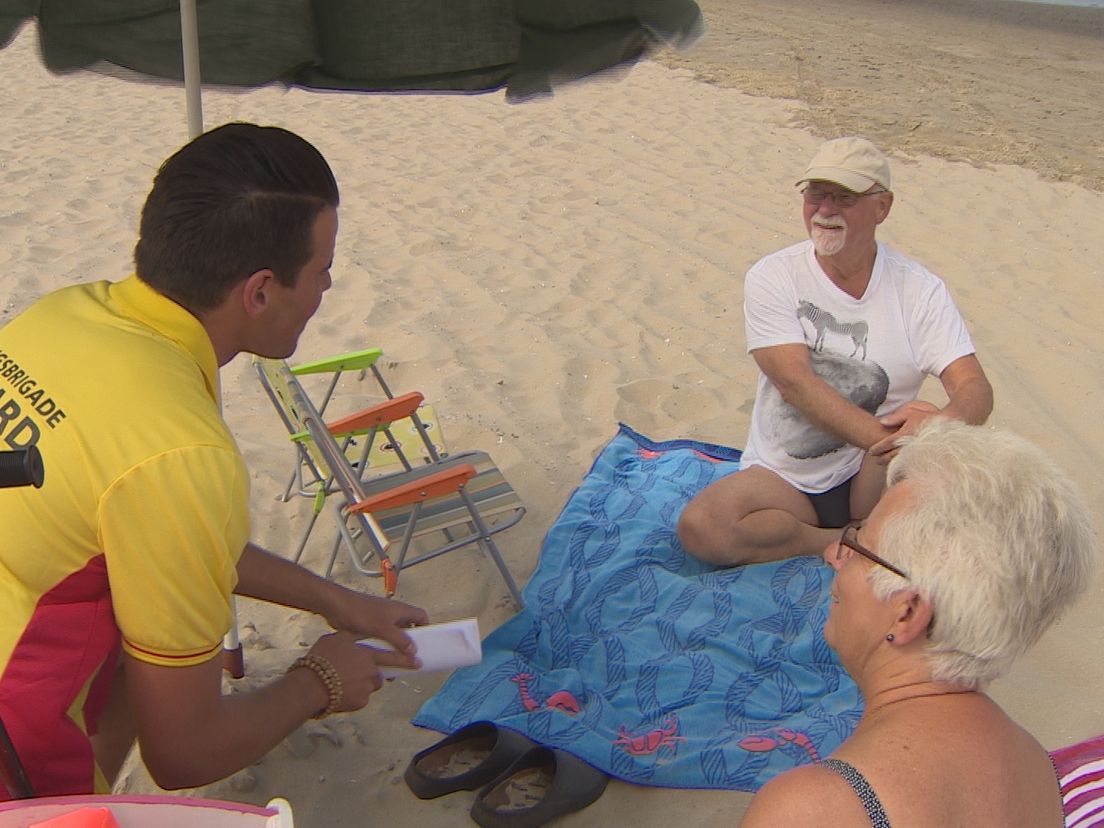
[[223, 330], [850, 271]]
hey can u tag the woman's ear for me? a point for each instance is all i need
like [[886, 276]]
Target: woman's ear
[[255, 292], [914, 616]]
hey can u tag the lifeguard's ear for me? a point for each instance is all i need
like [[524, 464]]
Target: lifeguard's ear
[[914, 616], [256, 292]]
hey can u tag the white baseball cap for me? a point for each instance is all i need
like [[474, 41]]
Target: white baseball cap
[[854, 163]]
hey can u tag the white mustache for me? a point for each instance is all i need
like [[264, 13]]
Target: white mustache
[[829, 224]]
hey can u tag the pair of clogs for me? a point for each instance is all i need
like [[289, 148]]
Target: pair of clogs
[[521, 784]]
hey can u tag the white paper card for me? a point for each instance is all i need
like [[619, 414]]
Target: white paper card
[[440, 646]]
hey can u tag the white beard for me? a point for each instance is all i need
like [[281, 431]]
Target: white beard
[[828, 242]]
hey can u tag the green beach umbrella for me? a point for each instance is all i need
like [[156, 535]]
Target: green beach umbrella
[[527, 47]]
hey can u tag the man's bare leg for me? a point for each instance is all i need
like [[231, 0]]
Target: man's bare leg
[[867, 487], [750, 517]]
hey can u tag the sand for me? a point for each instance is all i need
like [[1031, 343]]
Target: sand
[[984, 81], [541, 272]]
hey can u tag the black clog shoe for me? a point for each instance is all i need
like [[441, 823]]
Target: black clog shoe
[[541, 785], [464, 760]]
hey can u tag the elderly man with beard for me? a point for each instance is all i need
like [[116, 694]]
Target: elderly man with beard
[[844, 331]]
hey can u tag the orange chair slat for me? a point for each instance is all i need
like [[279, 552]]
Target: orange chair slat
[[424, 488], [390, 577], [382, 414]]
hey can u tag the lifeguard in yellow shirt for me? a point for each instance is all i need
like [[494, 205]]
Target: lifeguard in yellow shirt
[[116, 576]]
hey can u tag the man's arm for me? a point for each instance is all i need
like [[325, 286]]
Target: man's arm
[[191, 734], [271, 578], [790, 369], [969, 398], [969, 394]]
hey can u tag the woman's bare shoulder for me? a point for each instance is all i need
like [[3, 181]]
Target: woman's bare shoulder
[[809, 796]]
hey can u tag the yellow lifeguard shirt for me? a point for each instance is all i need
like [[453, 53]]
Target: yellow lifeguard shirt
[[141, 520]]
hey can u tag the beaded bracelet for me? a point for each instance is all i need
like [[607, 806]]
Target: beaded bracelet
[[329, 677]]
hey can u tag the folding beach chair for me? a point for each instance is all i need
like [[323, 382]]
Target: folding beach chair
[[404, 439], [380, 517], [400, 423], [412, 441]]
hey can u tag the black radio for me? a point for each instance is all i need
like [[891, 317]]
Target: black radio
[[21, 467]]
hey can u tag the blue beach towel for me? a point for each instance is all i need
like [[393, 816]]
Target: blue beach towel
[[644, 662]]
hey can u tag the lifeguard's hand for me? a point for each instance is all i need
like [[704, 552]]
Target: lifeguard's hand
[[906, 420], [367, 616], [356, 665]]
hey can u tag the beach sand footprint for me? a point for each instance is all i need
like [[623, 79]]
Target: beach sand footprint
[[639, 400]]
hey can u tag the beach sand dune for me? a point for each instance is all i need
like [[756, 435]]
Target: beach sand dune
[[541, 272], [985, 81]]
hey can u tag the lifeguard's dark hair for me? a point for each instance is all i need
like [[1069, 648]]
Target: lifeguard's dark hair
[[235, 200]]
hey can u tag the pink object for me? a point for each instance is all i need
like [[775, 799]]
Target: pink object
[[764, 742], [652, 741], [561, 700], [81, 818], [141, 812]]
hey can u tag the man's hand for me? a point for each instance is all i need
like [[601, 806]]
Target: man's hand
[[969, 398], [270, 578], [367, 616], [358, 667], [906, 420], [192, 734], [790, 370]]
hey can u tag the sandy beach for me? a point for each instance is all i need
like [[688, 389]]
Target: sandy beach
[[982, 81], [543, 271]]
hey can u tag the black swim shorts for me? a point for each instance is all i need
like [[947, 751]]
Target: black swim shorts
[[833, 507]]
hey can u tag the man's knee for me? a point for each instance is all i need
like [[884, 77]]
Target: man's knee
[[692, 526], [744, 519], [707, 536]]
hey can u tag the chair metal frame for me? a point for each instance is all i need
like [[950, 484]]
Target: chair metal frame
[[363, 360], [388, 511]]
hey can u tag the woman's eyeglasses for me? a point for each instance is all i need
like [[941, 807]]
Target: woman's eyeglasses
[[849, 539]]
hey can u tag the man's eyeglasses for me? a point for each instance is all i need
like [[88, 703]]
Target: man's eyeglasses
[[849, 539], [841, 198]]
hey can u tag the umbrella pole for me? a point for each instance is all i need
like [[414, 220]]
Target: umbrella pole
[[189, 35], [232, 655]]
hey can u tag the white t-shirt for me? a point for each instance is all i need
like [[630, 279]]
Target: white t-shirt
[[876, 351]]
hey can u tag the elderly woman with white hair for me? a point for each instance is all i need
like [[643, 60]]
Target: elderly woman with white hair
[[977, 546]]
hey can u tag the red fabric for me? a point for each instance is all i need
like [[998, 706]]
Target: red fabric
[[71, 640]]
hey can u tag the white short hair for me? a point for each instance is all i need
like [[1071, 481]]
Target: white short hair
[[997, 538]]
